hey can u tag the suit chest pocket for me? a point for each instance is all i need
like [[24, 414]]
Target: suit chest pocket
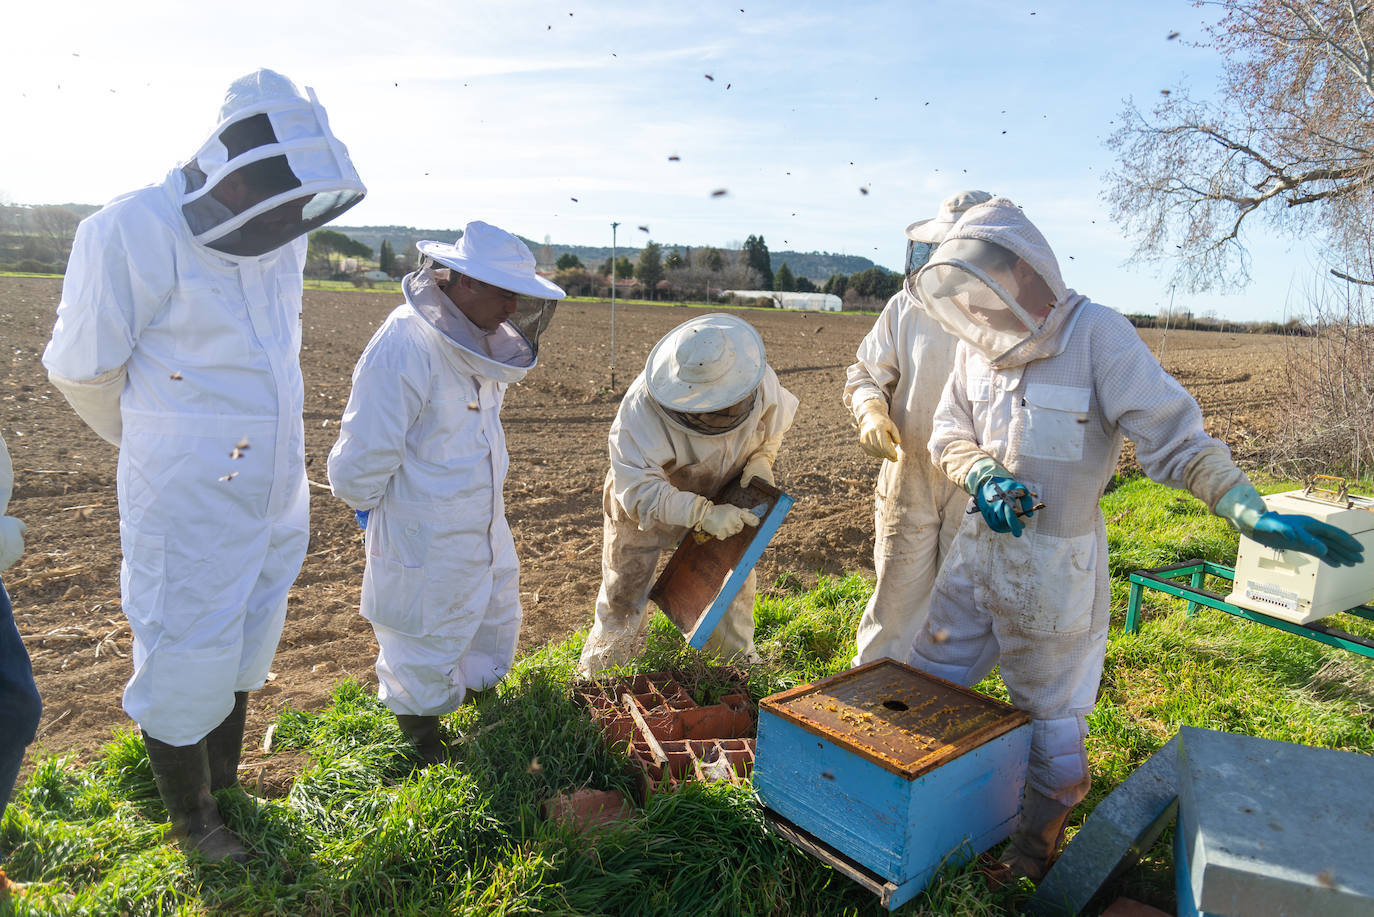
[[1056, 421]]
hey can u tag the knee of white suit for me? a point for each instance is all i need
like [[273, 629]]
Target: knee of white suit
[[1058, 766]]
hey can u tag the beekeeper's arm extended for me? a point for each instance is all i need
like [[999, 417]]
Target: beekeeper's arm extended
[[118, 278], [390, 384], [1165, 422], [870, 381]]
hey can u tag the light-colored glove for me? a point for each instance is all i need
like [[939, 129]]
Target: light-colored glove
[[759, 466], [11, 540], [1244, 508], [877, 433], [724, 519]]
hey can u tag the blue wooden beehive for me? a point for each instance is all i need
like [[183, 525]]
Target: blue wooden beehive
[[896, 770]]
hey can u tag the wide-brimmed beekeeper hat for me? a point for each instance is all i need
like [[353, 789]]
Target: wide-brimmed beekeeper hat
[[706, 364], [494, 256]]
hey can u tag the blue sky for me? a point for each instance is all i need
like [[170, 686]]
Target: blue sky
[[507, 111]]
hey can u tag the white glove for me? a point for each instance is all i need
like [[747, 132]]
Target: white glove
[[724, 519], [11, 540], [877, 433], [759, 467]]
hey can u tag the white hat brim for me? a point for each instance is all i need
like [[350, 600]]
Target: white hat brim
[[932, 232], [531, 284]]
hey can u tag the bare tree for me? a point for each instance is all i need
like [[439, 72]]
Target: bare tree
[[58, 226], [1290, 140]]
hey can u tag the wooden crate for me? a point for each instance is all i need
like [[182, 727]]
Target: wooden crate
[[702, 578], [898, 770]]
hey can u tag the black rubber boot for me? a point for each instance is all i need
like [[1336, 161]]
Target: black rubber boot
[[182, 773], [224, 745], [423, 731]]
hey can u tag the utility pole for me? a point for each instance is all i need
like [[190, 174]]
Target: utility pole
[[613, 253], [1168, 317]]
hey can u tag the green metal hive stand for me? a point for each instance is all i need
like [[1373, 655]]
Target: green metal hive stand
[[1164, 579]]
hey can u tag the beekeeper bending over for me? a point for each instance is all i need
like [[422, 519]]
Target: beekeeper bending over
[[706, 408], [1045, 383], [421, 456], [178, 341], [892, 389]]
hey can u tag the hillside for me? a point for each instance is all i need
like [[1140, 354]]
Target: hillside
[[815, 265]]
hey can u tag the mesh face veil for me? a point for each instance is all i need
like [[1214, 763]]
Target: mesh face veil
[[271, 171], [969, 289], [533, 314], [716, 422]]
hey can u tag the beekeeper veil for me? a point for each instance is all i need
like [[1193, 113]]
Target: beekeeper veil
[[924, 236], [993, 282], [704, 374], [496, 257], [269, 172]]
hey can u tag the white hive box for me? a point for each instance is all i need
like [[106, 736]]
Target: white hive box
[[1298, 587]]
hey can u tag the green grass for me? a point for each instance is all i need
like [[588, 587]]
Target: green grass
[[365, 831]]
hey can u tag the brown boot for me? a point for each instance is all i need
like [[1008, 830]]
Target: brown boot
[[423, 731], [182, 773], [224, 745], [1037, 836]]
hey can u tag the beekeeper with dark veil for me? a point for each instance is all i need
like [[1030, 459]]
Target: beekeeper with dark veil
[[1030, 424], [177, 340], [707, 408], [421, 457], [892, 389]]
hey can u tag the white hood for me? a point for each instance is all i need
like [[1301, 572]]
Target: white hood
[[967, 286], [269, 172]]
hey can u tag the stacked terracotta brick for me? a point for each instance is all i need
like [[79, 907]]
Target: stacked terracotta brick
[[714, 742]]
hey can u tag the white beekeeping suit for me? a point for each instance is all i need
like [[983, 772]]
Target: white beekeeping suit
[[707, 408], [422, 450], [892, 389], [177, 340], [1045, 384]]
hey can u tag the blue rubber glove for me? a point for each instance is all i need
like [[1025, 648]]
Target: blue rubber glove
[[1244, 508], [1291, 532], [1000, 512], [361, 516]]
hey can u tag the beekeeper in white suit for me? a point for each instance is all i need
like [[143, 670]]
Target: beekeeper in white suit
[[1045, 383], [892, 389], [706, 408], [421, 456], [177, 340]]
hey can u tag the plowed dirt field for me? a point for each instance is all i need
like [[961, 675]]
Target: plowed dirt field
[[66, 587]]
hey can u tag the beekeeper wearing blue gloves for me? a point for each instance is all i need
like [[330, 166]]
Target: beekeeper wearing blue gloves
[[177, 340], [892, 389], [421, 457], [706, 408], [1044, 386]]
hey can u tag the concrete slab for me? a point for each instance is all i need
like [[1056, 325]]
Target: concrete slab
[[1275, 828], [1119, 831]]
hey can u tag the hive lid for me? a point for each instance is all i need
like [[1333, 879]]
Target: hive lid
[[1353, 513], [901, 719]]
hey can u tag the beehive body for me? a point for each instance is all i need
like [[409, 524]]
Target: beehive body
[[899, 771]]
